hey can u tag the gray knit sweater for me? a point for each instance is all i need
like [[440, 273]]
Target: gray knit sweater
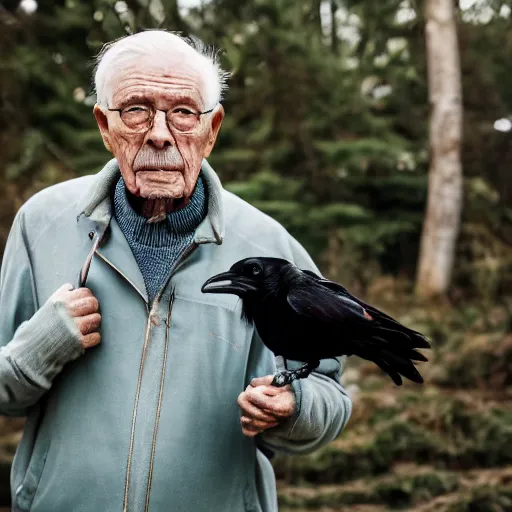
[[157, 246]]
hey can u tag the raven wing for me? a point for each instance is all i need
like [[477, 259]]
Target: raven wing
[[372, 334], [382, 319], [319, 303]]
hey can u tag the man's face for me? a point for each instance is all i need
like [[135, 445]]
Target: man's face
[[162, 160]]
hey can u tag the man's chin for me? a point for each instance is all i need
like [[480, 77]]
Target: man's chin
[[160, 184]]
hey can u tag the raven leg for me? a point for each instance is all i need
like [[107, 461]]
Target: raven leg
[[283, 377]]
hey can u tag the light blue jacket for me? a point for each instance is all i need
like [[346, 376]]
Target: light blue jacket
[[148, 420]]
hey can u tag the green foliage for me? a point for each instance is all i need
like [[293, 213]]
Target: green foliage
[[326, 123], [324, 131]]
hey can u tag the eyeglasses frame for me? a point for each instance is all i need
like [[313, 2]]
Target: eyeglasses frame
[[154, 110]]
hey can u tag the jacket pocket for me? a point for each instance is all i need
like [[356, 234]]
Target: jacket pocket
[[26, 491]]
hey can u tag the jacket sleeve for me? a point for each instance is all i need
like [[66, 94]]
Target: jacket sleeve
[[34, 343], [323, 406]]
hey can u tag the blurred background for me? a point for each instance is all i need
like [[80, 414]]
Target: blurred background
[[345, 118]]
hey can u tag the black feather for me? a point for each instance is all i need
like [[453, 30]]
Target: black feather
[[302, 316]]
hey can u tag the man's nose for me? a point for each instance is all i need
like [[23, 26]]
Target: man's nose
[[159, 134]]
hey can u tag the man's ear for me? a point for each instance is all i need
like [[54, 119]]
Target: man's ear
[[102, 121], [217, 118]]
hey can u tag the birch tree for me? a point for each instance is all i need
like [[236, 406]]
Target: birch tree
[[442, 218]]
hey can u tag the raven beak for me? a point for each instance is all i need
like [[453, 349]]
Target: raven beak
[[229, 282]]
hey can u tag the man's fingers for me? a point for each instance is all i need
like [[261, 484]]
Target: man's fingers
[[83, 306], [250, 429], [250, 433], [264, 406], [251, 410], [282, 405], [62, 293], [79, 293], [252, 424], [91, 340], [262, 381], [267, 383], [88, 323]]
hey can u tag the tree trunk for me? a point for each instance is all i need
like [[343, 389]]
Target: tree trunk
[[334, 27], [442, 217]]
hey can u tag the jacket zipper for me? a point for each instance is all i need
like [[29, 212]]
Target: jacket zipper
[[185, 254], [180, 260], [160, 396], [134, 417]]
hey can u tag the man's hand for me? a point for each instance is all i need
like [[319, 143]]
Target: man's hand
[[265, 406], [83, 306]]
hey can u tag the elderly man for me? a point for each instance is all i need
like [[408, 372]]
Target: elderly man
[[173, 409]]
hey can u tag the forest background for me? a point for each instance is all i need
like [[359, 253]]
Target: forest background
[[327, 131]]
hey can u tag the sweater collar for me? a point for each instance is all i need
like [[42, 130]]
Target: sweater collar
[[96, 202], [180, 222]]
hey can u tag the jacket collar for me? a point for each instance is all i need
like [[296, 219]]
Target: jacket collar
[[96, 203]]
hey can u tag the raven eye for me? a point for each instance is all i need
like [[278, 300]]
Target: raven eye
[[256, 270]]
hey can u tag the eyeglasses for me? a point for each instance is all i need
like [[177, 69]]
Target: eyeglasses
[[139, 118]]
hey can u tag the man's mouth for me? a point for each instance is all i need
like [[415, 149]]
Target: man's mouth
[[160, 169]]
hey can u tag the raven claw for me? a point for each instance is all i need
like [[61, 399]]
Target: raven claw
[[302, 372], [281, 379]]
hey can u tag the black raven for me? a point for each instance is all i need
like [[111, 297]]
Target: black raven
[[303, 317]]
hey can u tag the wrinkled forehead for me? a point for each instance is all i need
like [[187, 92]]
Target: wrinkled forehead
[[166, 76]]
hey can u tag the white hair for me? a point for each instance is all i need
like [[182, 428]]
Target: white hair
[[115, 55]]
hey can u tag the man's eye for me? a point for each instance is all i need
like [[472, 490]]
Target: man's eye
[[183, 112], [135, 109]]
